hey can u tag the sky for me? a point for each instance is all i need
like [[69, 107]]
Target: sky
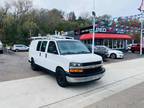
[[115, 8]]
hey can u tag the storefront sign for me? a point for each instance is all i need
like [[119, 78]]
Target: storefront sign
[[99, 30], [120, 31]]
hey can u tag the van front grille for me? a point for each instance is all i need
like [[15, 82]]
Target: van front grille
[[92, 63]]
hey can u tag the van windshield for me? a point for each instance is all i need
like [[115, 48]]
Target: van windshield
[[72, 47]]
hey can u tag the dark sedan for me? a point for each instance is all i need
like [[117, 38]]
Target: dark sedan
[[103, 53]]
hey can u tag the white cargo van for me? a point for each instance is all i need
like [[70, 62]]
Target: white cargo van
[[69, 59]]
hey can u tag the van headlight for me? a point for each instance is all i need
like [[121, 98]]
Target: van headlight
[[74, 67], [73, 64]]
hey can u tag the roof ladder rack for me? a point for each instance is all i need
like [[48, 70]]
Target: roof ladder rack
[[51, 37]]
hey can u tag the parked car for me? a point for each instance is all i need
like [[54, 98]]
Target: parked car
[[69, 59], [19, 47], [130, 45], [136, 47], [111, 53], [99, 51], [1, 47]]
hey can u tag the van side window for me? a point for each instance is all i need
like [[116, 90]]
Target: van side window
[[43, 47], [38, 46], [52, 48]]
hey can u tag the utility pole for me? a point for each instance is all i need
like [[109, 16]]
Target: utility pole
[[94, 16], [141, 9], [141, 38]]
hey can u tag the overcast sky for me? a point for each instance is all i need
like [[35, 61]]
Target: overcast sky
[[112, 7]]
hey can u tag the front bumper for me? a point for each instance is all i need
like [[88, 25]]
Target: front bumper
[[79, 78], [120, 55], [83, 79]]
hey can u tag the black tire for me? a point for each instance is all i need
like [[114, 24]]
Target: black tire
[[33, 65], [16, 50], [1, 52], [104, 57], [133, 51], [61, 78], [113, 56]]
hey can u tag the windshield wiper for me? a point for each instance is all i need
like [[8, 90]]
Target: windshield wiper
[[69, 53], [83, 52]]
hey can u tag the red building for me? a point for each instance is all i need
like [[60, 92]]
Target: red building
[[113, 39]]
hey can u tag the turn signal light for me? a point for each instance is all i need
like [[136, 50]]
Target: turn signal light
[[75, 70]]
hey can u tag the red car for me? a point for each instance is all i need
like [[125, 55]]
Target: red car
[[136, 47]]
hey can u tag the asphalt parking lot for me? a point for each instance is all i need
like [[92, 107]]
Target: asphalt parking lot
[[15, 65]]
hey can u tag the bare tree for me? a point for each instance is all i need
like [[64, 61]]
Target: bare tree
[[85, 15], [21, 7], [71, 16]]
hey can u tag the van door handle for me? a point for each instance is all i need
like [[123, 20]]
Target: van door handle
[[45, 55], [39, 54]]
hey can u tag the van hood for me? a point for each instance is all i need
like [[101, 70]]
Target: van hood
[[83, 58]]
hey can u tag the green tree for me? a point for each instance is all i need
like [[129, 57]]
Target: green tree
[[71, 16]]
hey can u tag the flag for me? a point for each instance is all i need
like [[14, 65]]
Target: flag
[[141, 8]]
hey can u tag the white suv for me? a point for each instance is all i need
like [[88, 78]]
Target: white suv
[[1, 47], [69, 59], [19, 47]]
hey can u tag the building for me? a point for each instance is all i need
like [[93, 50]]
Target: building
[[112, 39]]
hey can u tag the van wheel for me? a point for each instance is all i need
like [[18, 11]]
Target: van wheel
[[113, 56], [16, 50], [1, 52], [33, 65], [61, 78]]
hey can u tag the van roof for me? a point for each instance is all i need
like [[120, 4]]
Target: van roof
[[52, 37], [55, 40]]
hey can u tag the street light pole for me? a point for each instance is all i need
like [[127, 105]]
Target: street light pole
[[141, 37], [93, 38], [141, 9]]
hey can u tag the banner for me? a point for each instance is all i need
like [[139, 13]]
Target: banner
[[143, 42]]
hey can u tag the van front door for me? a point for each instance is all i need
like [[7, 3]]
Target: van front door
[[42, 53], [51, 57]]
